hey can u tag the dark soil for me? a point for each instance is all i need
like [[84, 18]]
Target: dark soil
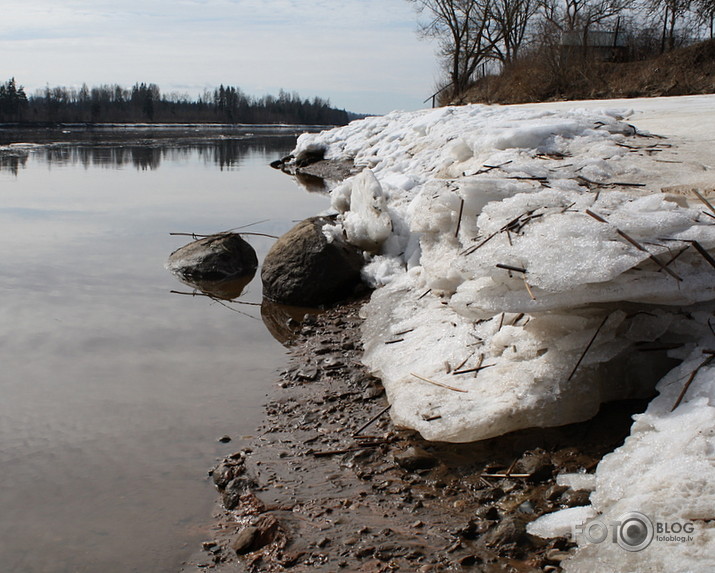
[[330, 484]]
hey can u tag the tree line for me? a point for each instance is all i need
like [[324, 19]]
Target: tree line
[[145, 103], [479, 36]]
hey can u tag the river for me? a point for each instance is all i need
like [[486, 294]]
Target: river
[[115, 390]]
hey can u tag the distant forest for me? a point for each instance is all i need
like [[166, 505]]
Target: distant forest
[[144, 103]]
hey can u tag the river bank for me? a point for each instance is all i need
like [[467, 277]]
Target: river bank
[[526, 275], [329, 483]]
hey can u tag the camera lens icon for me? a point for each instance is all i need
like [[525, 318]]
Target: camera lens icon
[[634, 532]]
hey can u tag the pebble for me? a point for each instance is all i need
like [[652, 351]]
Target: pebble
[[415, 458], [243, 542]]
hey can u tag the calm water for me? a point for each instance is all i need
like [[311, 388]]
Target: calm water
[[113, 390]]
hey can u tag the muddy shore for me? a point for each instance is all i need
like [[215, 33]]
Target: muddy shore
[[330, 484]]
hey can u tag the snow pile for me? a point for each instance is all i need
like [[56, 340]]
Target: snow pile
[[664, 471], [525, 258]]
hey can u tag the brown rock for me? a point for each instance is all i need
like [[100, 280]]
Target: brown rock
[[415, 458], [303, 268], [217, 257], [244, 541]]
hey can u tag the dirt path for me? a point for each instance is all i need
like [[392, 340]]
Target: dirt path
[[331, 485]]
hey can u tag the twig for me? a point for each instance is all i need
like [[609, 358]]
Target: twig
[[424, 294], [589, 183], [488, 168], [700, 249], [583, 355], [501, 321], [528, 289], [395, 341], [404, 332], [470, 250], [506, 475], [637, 245], [459, 221], [694, 373], [440, 384], [625, 184], [463, 362], [373, 419], [197, 236], [213, 297], [704, 200], [528, 178], [511, 268], [475, 369]]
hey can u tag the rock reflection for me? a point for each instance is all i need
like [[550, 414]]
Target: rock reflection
[[226, 292], [283, 321], [311, 183], [226, 289]]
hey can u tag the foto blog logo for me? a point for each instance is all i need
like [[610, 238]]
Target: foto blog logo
[[632, 531]]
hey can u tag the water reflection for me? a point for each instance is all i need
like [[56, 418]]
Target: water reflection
[[226, 153], [283, 321], [113, 390], [13, 163], [227, 289]]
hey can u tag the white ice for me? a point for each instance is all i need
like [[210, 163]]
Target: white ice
[[522, 255]]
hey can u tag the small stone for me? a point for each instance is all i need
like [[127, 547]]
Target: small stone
[[469, 561], [526, 507], [364, 552], [510, 530], [555, 492], [415, 458], [243, 542], [538, 465], [489, 513], [573, 498], [225, 439]]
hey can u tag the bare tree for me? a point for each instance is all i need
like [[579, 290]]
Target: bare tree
[[467, 35], [512, 19], [705, 11], [569, 15], [670, 13]]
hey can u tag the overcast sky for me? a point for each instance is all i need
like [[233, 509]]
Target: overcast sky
[[364, 55]]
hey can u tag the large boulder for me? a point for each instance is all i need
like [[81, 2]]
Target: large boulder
[[213, 258], [304, 268]]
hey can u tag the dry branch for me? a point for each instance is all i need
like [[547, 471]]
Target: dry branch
[[588, 346], [692, 376], [440, 384]]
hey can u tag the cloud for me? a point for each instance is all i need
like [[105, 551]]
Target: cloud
[[316, 47]]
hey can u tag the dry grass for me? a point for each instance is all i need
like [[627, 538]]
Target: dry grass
[[685, 71]]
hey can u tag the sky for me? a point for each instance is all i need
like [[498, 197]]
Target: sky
[[363, 55]]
